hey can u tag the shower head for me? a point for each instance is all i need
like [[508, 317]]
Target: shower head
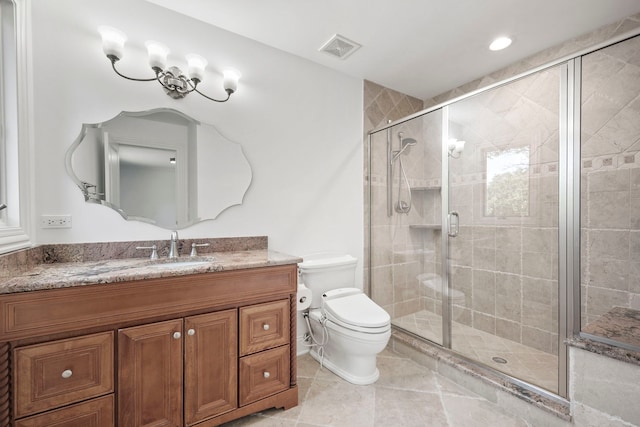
[[408, 142], [404, 143]]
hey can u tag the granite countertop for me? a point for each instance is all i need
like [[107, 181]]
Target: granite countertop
[[615, 334], [54, 275]]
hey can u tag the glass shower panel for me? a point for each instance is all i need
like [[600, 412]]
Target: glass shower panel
[[610, 188], [405, 178], [503, 204]]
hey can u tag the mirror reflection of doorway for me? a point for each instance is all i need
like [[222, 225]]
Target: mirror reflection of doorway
[[148, 183]]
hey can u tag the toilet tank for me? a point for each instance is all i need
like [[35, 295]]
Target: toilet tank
[[324, 272]]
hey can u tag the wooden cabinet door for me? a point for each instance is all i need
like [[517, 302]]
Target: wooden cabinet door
[[150, 375], [211, 360]]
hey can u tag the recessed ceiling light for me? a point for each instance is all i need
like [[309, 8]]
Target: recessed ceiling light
[[500, 43]]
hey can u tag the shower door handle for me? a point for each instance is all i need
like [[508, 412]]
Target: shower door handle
[[454, 223]]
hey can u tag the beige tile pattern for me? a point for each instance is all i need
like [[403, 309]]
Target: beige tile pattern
[[610, 215], [508, 272], [406, 395]]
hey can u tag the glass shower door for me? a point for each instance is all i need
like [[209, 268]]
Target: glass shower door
[[501, 150]]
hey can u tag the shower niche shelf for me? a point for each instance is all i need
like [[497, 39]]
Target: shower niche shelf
[[427, 188], [425, 227]]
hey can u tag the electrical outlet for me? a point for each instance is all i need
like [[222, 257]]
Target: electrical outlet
[[55, 221]]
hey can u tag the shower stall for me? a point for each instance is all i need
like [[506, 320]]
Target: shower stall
[[481, 208]]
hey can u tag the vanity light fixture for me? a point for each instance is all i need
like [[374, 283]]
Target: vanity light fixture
[[172, 79]]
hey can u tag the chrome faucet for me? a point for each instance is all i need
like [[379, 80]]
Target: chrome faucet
[[173, 245]]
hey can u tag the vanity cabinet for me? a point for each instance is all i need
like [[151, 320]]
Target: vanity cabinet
[[192, 350], [195, 357]]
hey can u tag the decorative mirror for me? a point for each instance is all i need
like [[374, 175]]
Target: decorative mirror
[[160, 167]]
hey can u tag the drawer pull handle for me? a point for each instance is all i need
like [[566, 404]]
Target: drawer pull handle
[[176, 335], [266, 374], [191, 332], [67, 373], [265, 326]]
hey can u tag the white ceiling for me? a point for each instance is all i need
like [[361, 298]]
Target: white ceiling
[[418, 47]]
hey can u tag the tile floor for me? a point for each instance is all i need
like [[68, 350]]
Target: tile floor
[[406, 395], [523, 362]]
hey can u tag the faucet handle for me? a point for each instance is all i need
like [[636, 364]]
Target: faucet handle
[[194, 251], [154, 250]]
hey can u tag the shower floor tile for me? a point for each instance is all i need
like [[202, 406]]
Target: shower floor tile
[[523, 362]]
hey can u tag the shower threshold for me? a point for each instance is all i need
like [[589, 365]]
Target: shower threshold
[[479, 378], [514, 359]]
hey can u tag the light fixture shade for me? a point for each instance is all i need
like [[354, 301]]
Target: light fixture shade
[[157, 54], [230, 80], [197, 65], [112, 41]]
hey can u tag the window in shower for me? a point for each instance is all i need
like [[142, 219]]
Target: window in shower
[[507, 182]]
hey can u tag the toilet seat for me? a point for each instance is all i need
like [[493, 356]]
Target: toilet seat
[[358, 313]]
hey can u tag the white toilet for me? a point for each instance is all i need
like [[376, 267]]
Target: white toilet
[[356, 328]]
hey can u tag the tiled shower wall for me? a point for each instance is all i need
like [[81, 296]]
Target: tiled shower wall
[[382, 105], [610, 166], [520, 306]]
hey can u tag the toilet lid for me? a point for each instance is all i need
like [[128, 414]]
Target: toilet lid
[[357, 310]]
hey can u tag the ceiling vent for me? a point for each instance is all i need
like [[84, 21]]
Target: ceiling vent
[[339, 46]]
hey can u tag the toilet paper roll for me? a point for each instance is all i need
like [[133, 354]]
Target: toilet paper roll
[[304, 297]]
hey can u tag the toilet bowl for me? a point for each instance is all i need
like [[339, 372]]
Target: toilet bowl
[[350, 328]]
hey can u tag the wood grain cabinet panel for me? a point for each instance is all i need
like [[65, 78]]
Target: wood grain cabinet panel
[[93, 413], [150, 375], [263, 374], [62, 372], [229, 351], [264, 326], [211, 365]]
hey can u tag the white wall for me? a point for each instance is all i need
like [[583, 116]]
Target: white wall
[[299, 123]]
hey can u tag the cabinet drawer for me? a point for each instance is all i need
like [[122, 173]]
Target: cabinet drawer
[[264, 326], [94, 413], [263, 374], [62, 372]]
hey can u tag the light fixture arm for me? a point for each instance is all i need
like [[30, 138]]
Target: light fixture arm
[[113, 60], [229, 92], [175, 83]]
